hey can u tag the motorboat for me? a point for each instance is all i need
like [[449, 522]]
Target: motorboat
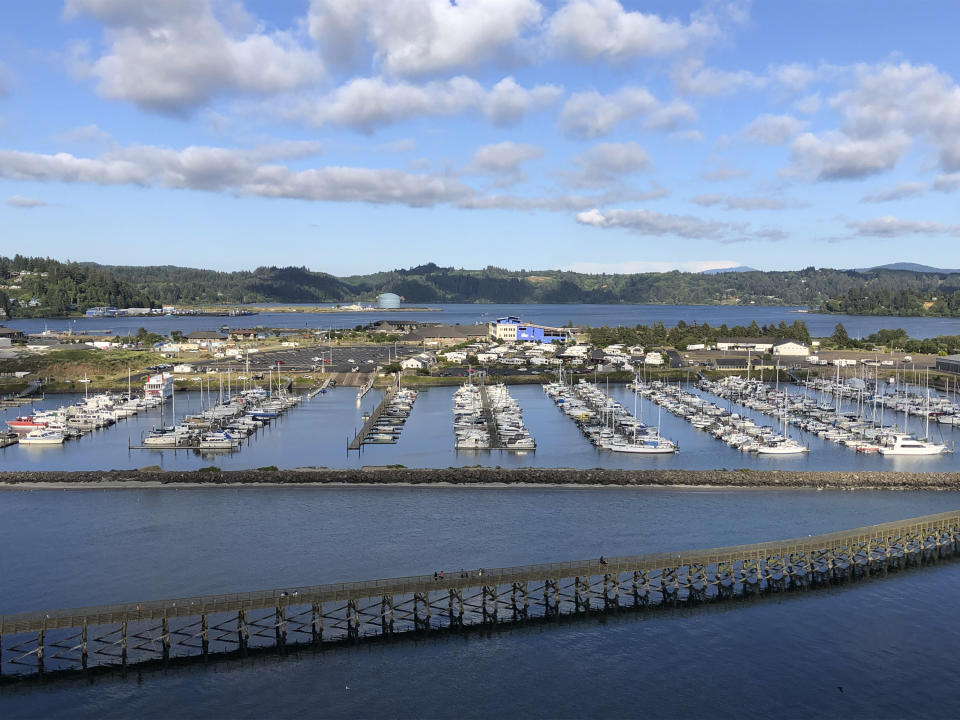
[[42, 436]]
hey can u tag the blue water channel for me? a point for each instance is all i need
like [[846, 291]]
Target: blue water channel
[[466, 314], [878, 649], [316, 434]]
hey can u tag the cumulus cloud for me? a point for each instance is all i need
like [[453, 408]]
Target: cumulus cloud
[[772, 129], [719, 171], [648, 222], [365, 104], [900, 192], [946, 182], [248, 172], [418, 38], [889, 226], [602, 29], [505, 157], [793, 77], [592, 115], [732, 202], [808, 104], [85, 134], [608, 163], [692, 78], [836, 156], [560, 203], [886, 109], [173, 56], [18, 201]]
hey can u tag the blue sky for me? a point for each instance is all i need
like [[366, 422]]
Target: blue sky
[[592, 135]]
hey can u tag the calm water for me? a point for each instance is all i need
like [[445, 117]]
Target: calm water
[[580, 314], [888, 643], [317, 433]]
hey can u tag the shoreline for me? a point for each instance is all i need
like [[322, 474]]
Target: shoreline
[[489, 478]]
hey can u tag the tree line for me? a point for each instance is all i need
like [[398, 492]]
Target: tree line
[[60, 288]]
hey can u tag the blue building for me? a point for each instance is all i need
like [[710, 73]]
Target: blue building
[[108, 311], [510, 329]]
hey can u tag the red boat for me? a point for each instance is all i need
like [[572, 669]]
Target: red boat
[[25, 424]]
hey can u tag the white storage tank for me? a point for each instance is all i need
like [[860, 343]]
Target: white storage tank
[[388, 300]]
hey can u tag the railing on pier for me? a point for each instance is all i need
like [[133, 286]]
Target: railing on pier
[[150, 630]]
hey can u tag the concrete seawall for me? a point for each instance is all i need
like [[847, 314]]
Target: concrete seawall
[[490, 476]]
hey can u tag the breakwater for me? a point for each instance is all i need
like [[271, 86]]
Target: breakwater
[[479, 476]]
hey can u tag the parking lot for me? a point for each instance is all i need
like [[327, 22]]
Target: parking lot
[[338, 358]]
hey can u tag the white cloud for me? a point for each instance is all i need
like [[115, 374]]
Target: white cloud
[[888, 108], [650, 266], [18, 201], [400, 146], [592, 115], [691, 78], [772, 129], [794, 77], [505, 157], [85, 134], [560, 203], [901, 191], [732, 202], [608, 163], [250, 172], [602, 29], [720, 171], [947, 182], [423, 37], [176, 55], [808, 104], [648, 222], [890, 226], [365, 104], [836, 156]]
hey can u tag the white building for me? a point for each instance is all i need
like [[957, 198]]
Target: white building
[[418, 362], [744, 344], [653, 358], [790, 348], [183, 368], [455, 356], [487, 357]]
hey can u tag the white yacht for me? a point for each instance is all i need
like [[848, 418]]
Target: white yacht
[[904, 444], [42, 436]]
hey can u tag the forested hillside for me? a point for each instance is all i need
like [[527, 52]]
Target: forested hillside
[[45, 287], [882, 292]]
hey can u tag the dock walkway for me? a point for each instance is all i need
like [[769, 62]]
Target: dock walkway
[[141, 630], [358, 441], [495, 442]]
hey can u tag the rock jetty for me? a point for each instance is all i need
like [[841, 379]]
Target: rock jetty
[[481, 476]]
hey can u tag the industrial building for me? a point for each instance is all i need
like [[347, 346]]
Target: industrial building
[[950, 364], [510, 329]]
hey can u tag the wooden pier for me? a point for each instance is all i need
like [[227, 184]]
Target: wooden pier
[[358, 441], [140, 630]]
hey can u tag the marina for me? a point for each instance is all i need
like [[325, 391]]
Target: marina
[[315, 433], [384, 425], [605, 422]]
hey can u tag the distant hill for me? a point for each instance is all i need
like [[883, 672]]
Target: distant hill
[[912, 267], [719, 271]]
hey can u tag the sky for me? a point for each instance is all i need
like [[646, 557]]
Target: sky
[[351, 136]]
